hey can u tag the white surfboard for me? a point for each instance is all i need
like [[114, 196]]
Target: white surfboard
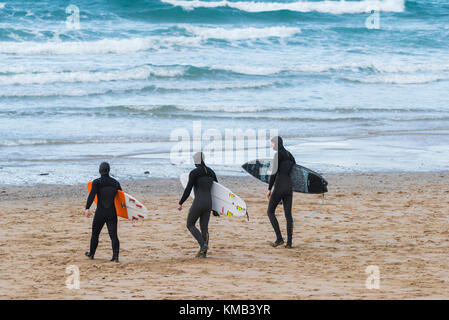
[[224, 201]]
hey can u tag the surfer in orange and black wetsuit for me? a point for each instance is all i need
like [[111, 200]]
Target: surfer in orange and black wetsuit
[[283, 163], [105, 188], [201, 179]]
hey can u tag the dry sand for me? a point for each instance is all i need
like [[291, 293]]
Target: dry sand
[[398, 222]]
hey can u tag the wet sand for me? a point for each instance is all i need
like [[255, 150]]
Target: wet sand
[[397, 222]]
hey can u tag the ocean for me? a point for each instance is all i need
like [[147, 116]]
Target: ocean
[[352, 86]]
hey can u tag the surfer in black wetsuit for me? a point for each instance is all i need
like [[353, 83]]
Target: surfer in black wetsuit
[[105, 188], [201, 179], [283, 162]]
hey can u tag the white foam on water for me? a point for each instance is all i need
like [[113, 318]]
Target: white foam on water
[[29, 73], [409, 67], [122, 46], [231, 34], [250, 69], [50, 93], [119, 46], [138, 73], [234, 109], [216, 85], [201, 86], [334, 7], [375, 67], [22, 142], [401, 78]]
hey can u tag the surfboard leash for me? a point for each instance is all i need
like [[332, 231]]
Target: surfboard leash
[[312, 214]]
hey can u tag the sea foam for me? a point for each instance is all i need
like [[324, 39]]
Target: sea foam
[[334, 7]]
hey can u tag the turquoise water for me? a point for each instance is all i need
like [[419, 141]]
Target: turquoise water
[[347, 98]]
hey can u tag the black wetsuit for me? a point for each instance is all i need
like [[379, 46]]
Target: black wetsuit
[[201, 179], [105, 188], [282, 164]]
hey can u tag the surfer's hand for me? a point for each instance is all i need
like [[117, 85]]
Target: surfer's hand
[[268, 194], [180, 207], [87, 213]]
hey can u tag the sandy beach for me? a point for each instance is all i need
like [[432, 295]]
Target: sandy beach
[[397, 222]]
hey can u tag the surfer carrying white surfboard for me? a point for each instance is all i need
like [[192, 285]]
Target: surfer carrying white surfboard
[[200, 179], [105, 189], [282, 164]]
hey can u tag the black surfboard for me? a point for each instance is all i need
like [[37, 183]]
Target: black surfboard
[[303, 180]]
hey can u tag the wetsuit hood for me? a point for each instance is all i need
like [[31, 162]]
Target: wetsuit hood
[[104, 169], [278, 143], [198, 159]]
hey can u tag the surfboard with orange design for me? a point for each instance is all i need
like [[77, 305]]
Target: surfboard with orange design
[[127, 206]]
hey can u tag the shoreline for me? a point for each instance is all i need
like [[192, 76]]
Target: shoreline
[[140, 181], [396, 222]]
